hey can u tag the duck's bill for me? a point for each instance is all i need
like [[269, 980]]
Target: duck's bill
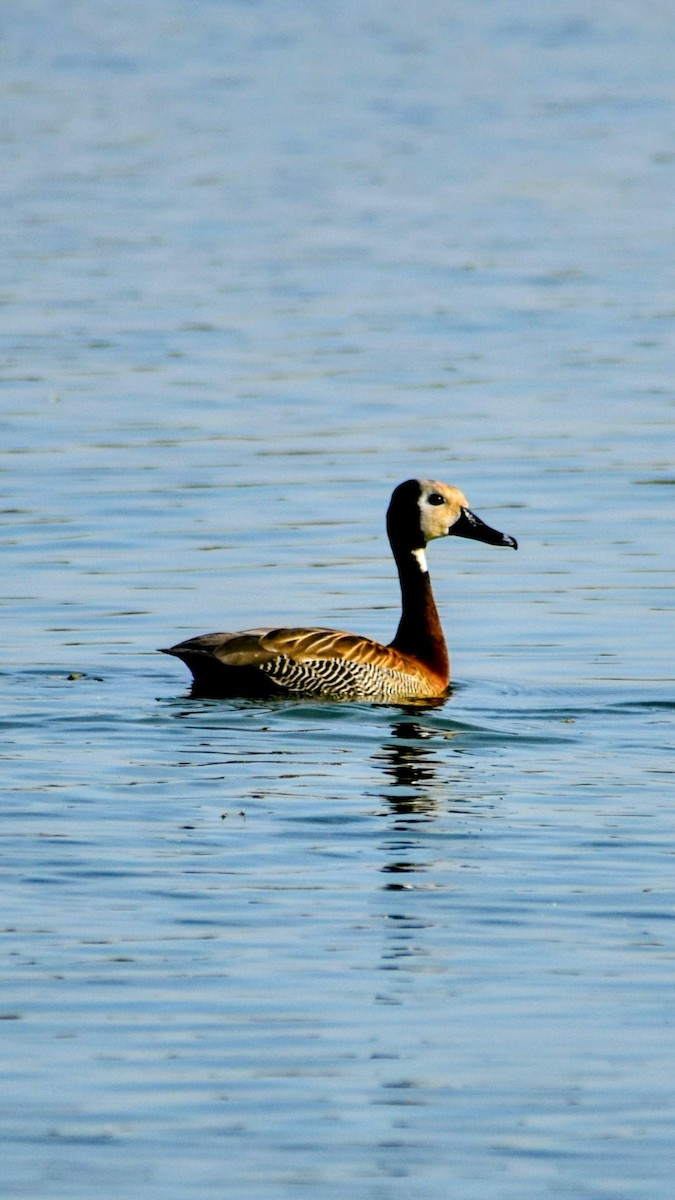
[[471, 526]]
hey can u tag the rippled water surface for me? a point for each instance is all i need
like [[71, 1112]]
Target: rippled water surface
[[261, 262]]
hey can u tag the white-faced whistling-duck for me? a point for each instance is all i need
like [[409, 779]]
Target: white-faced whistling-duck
[[328, 662]]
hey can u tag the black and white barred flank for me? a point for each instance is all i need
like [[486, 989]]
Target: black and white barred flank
[[342, 678]]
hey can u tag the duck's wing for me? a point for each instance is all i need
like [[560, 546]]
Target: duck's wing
[[257, 647]]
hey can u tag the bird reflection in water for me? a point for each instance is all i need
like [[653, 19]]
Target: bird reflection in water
[[409, 761], [418, 793]]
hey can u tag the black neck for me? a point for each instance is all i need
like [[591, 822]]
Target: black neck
[[419, 632]]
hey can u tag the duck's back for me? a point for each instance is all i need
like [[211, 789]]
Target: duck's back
[[300, 661]]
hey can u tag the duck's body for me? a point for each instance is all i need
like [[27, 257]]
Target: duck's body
[[312, 662], [328, 662]]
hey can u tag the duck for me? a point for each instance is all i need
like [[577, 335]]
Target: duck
[[331, 663]]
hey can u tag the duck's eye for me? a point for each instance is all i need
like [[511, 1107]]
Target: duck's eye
[[436, 498]]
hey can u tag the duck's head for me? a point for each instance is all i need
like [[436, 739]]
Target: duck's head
[[423, 509]]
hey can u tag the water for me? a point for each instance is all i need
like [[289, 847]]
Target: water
[[261, 262]]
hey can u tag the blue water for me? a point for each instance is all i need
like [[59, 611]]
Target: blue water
[[261, 262]]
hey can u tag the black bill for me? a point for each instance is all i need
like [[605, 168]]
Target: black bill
[[471, 526]]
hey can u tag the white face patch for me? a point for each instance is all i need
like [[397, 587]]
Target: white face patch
[[440, 506], [421, 560]]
